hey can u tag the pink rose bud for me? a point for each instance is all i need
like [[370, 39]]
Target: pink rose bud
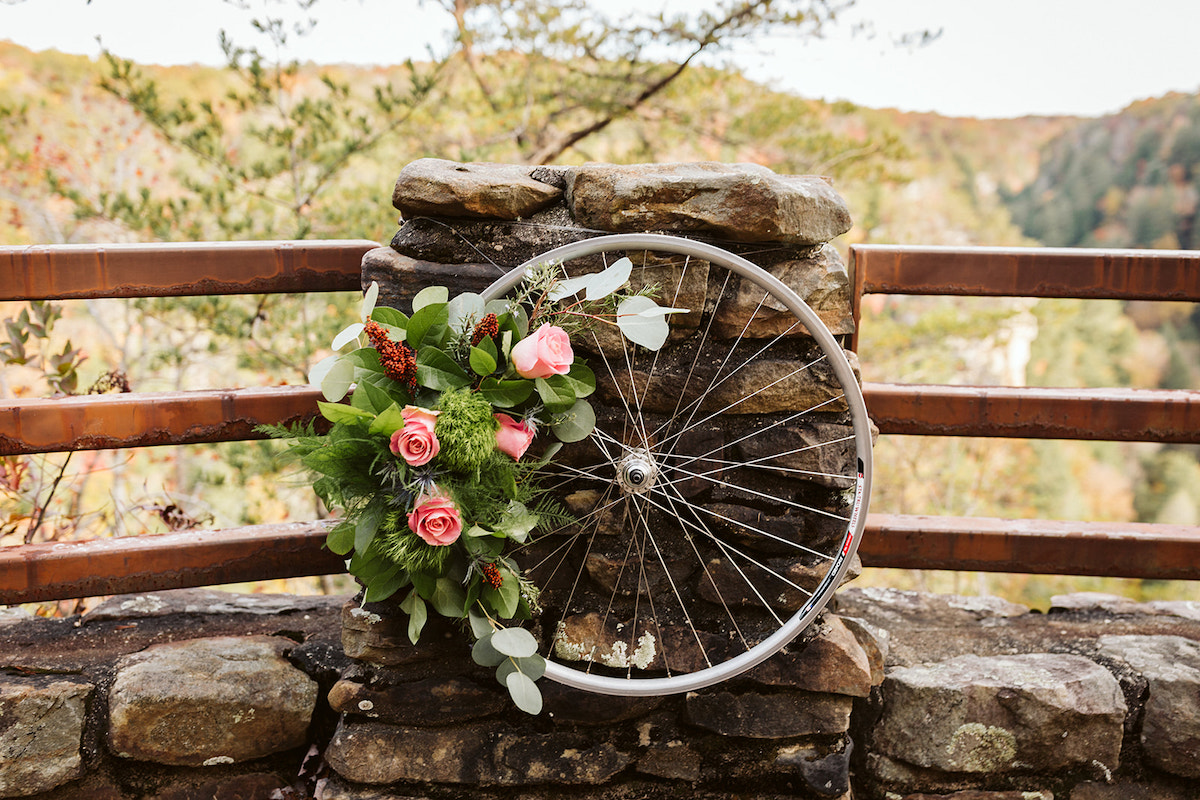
[[514, 436], [436, 520], [545, 352], [416, 442]]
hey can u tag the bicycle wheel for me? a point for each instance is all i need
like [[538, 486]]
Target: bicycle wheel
[[723, 491]]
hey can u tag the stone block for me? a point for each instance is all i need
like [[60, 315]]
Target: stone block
[[400, 277], [377, 753], [673, 761], [1171, 721], [820, 280], [378, 634], [203, 702], [555, 758], [742, 202], [898, 607], [437, 187], [208, 602], [832, 662], [1128, 790], [501, 244], [432, 702], [1002, 714], [41, 727], [824, 770], [978, 794], [776, 715]]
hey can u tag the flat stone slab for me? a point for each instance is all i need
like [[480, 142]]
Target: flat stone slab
[[202, 702], [742, 202], [1171, 724], [1041, 711], [437, 187], [41, 725], [206, 601], [773, 715]]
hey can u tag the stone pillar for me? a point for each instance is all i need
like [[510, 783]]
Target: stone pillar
[[426, 714]]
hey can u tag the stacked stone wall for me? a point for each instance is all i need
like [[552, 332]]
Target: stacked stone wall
[[900, 696]]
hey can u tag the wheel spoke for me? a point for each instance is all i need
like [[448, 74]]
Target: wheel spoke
[[688, 426]]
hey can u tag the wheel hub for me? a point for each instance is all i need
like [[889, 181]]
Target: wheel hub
[[636, 472]]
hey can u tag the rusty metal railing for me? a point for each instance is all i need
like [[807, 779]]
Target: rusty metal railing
[[1109, 414], [195, 558]]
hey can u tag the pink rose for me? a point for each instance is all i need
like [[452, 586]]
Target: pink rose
[[416, 442], [436, 520], [545, 352], [514, 436]]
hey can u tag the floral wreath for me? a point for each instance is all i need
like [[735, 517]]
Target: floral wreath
[[429, 460]]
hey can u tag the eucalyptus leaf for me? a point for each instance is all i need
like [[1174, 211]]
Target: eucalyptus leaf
[[464, 310], [576, 424], [370, 297], [321, 369], [534, 667], [608, 281], [336, 382], [430, 295], [524, 692], [480, 626], [485, 655], [347, 335], [515, 642], [649, 331], [570, 286]]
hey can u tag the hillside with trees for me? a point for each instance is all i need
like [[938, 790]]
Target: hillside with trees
[[103, 151]]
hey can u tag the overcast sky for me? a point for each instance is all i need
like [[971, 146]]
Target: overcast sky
[[993, 59]]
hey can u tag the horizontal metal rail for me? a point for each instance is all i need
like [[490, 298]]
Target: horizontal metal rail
[[77, 271], [1118, 415], [1085, 273], [32, 573], [52, 571], [1050, 547], [100, 422], [1028, 272], [220, 415]]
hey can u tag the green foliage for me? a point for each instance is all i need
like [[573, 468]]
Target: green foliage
[[1121, 181], [27, 343], [261, 161]]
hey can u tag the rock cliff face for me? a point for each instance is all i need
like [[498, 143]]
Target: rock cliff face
[[896, 696]]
